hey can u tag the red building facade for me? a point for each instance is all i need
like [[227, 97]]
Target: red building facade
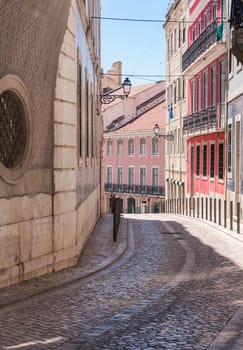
[[204, 65]]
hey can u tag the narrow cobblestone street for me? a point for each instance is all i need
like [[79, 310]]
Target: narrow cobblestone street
[[176, 285]]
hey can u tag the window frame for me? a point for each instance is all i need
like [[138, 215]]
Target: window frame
[[131, 176], [109, 145], [205, 160], [142, 146], [109, 175], [198, 159], [155, 177], [130, 144], [221, 167], [120, 176], [142, 176], [120, 147], [212, 161], [229, 148], [155, 145]]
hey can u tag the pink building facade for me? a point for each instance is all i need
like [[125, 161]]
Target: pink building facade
[[134, 157]]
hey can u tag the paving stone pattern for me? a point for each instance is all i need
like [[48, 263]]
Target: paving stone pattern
[[95, 315]]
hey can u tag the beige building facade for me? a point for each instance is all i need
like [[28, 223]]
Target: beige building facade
[[51, 133], [176, 97]]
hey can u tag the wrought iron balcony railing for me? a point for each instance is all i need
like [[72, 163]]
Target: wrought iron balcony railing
[[206, 39], [135, 189], [209, 119]]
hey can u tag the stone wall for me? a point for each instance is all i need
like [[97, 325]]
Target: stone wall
[[43, 225]]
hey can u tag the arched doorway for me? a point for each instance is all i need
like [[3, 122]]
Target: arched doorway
[[131, 205]]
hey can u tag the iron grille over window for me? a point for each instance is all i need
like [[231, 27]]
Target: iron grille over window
[[12, 129]]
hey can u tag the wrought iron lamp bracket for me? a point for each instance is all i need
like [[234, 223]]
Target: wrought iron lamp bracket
[[106, 99]]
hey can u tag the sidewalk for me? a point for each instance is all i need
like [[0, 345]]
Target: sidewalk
[[100, 252]]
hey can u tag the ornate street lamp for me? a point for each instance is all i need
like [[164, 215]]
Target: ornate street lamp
[[110, 97], [168, 136]]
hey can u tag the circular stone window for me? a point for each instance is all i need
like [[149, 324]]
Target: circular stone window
[[15, 125]]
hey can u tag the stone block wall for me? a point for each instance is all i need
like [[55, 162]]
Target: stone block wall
[[45, 231]]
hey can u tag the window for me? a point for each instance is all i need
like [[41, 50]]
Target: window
[[168, 94], [92, 124], [175, 140], [171, 93], [119, 147], [198, 93], [131, 176], [193, 34], [183, 87], [212, 160], [130, 147], [205, 160], [155, 145], [171, 43], [109, 175], [222, 81], [205, 89], [229, 138], [142, 146], [175, 40], [178, 89], [199, 27], [119, 176], [213, 86], [15, 129], [214, 11], [174, 92], [179, 35], [155, 177], [178, 141], [221, 161], [183, 32], [109, 147], [168, 49], [87, 111], [198, 160], [207, 18], [193, 109], [142, 176], [79, 92]]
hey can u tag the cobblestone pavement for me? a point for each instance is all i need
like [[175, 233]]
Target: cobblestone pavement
[[176, 289]]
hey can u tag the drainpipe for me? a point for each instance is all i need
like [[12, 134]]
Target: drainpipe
[[227, 37]]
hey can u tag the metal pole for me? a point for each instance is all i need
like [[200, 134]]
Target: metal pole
[[215, 207], [219, 211], [206, 208], [238, 217], [202, 207], [210, 209], [231, 215], [225, 213]]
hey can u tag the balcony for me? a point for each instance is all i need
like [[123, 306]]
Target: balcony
[[205, 40], [135, 189], [204, 121]]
